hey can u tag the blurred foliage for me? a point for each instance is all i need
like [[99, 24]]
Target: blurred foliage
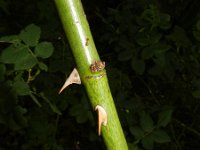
[[152, 55]]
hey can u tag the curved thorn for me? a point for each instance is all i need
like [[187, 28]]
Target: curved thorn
[[102, 117], [73, 78]]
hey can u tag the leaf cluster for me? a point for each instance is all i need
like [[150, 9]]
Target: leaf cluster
[[153, 74]]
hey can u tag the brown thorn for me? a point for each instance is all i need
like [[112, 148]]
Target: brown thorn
[[102, 117], [73, 78]]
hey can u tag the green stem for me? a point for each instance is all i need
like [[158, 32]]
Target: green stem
[[80, 39]]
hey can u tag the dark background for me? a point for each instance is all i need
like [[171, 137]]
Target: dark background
[[152, 55]]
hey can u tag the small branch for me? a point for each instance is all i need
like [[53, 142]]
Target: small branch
[[187, 127], [35, 99], [178, 145]]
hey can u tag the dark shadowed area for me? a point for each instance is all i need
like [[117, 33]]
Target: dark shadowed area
[[152, 55]]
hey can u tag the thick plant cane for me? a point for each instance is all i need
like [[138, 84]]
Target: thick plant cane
[[91, 71]]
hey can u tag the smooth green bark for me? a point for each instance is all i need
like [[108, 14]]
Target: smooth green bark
[[80, 39]]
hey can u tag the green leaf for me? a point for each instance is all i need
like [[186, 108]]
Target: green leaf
[[137, 132], [148, 142], [156, 49], [12, 54], [155, 37], [21, 87], [44, 50], [26, 62], [151, 14], [161, 48], [160, 136], [164, 118], [146, 122], [10, 39], [21, 110], [42, 66], [138, 66], [165, 17], [30, 35], [21, 56], [179, 37], [141, 39], [164, 22]]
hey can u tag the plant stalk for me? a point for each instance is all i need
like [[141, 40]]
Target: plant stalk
[[81, 42]]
